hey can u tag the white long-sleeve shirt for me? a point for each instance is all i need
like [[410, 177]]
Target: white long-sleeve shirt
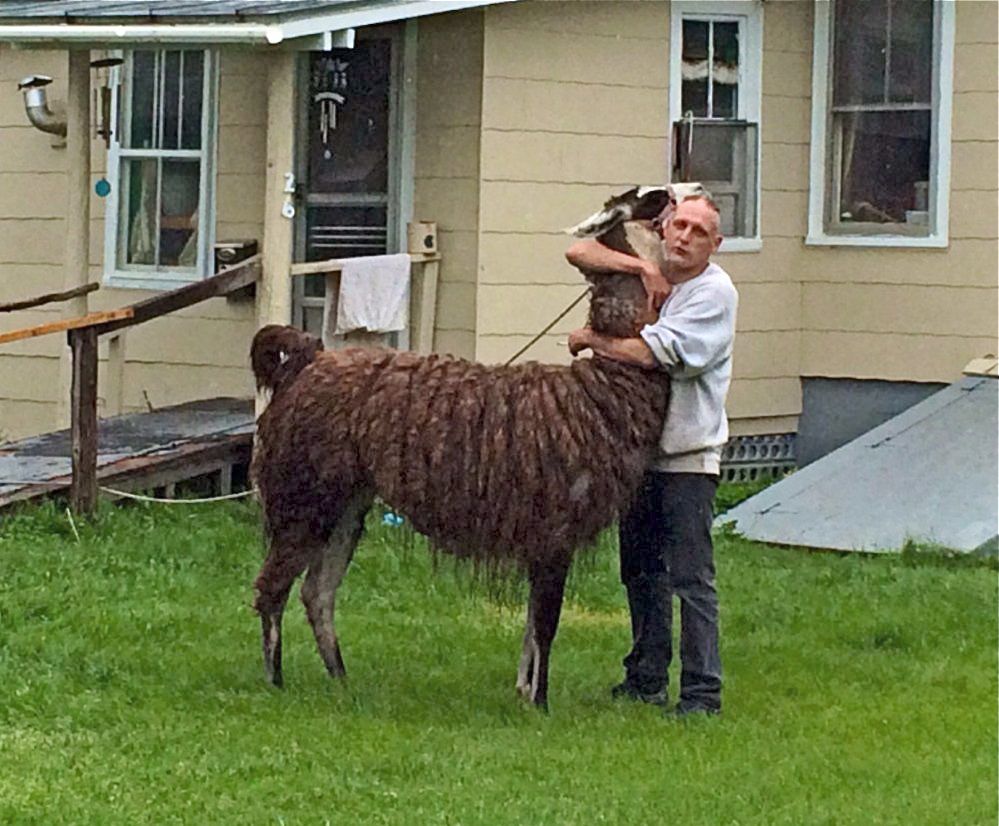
[[692, 341]]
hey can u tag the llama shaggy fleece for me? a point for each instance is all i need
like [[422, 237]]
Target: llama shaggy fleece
[[507, 465]]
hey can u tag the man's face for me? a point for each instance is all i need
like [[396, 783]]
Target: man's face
[[691, 237]]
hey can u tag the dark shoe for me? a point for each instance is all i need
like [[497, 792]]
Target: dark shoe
[[629, 691], [687, 711]]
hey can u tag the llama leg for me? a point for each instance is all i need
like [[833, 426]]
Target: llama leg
[[325, 574], [283, 564], [547, 590], [270, 633], [528, 656]]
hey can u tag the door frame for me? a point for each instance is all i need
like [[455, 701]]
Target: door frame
[[401, 152]]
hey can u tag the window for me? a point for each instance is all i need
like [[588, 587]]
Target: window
[[160, 169], [715, 109], [880, 122]]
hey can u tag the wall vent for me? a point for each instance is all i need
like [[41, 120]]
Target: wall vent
[[748, 458]]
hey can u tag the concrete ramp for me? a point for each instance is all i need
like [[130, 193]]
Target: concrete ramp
[[928, 475]]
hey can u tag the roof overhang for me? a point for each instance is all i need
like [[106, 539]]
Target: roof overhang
[[296, 31]]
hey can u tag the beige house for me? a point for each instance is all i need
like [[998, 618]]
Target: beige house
[[852, 147]]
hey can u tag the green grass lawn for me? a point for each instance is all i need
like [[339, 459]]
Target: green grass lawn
[[858, 690]]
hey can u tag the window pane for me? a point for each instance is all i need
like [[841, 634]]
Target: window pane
[[725, 103], [723, 158], [313, 318], [694, 98], [179, 213], [193, 93], [170, 105], [861, 29], [143, 91], [885, 166], [694, 68], [910, 66], [712, 158], [725, 71], [139, 210], [314, 286]]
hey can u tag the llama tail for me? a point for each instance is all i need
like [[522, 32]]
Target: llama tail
[[279, 353]]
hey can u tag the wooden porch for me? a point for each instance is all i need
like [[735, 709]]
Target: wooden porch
[[139, 451]]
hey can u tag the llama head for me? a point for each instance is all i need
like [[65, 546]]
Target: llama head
[[629, 223], [640, 203]]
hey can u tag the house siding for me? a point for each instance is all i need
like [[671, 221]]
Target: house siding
[[574, 99], [551, 154], [446, 165], [575, 107], [32, 219], [195, 353], [921, 314]]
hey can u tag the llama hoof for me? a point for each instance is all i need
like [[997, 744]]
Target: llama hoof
[[334, 665]]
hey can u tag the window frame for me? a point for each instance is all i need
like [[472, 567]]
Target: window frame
[[146, 276], [749, 15], [821, 167]]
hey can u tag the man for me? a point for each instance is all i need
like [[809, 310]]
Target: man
[[666, 537]]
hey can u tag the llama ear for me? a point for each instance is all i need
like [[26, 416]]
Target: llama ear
[[600, 222]]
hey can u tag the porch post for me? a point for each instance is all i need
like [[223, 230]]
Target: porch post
[[76, 259], [274, 287]]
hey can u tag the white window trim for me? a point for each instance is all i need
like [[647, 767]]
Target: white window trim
[[165, 279], [943, 95], [750, 82]]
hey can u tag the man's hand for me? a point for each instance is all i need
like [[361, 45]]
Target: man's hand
[[657, 288], [627, 350], [579, 340]]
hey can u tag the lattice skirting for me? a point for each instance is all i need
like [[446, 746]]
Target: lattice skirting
[[748, 458]]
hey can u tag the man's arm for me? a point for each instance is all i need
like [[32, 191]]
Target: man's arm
[[628, 350], [697, 335], [590, 254]]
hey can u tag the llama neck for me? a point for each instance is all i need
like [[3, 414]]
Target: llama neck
[[639, 398]]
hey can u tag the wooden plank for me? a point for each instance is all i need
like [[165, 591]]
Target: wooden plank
[[115, 381], [274, 291], [49, 298], [336, 265], [76, 241], [187, 463], [233, 278], [88, 320], [83, 421], [423, 308], [144, 472]]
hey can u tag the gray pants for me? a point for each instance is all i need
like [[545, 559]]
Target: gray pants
[[666, 549]]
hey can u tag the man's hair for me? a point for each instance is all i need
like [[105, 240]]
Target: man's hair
[[707, 199]]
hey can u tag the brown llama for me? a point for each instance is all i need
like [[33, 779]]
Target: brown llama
[[511, 466]]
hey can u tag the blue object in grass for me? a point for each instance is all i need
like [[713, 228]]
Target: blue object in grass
[[393, 520]]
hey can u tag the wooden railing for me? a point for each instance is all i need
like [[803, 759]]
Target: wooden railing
[[84, 332]]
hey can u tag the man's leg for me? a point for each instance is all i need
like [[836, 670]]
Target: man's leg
[[643, 573], [687, 511]]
